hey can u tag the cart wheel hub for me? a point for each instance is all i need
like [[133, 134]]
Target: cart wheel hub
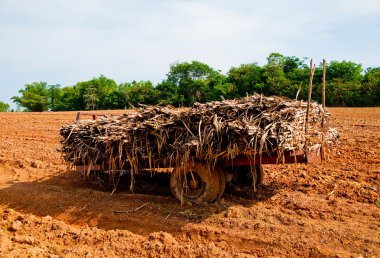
[[192, 185]]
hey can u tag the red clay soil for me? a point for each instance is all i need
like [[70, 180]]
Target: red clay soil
[[327, 209]]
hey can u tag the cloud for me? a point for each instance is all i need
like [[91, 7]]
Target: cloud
[[360, 7], [69, 41]]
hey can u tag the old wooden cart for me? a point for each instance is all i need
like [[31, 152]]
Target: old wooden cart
[[196, 180]]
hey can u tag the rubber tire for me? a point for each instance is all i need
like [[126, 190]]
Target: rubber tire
[[211, 183]]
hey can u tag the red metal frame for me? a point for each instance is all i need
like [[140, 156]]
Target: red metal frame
[[79, 114], [289, 157]]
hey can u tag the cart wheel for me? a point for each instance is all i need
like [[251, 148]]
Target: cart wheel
[[197, 184]]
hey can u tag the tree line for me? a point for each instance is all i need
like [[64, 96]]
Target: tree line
[[348, 84]]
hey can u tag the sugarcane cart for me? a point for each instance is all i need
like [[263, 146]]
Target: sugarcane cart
[[203, 147]]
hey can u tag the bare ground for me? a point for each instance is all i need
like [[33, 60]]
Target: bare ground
[[327, 209]]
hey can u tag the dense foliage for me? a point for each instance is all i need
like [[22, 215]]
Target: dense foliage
[[4, 107], [348, 84]]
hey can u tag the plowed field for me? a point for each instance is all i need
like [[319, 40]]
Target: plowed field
[[326, 209]]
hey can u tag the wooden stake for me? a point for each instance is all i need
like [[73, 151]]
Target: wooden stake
[[324, 93], [324, 109], [312, 69]]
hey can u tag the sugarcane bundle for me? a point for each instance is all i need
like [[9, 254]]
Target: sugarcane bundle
[[156, 136]]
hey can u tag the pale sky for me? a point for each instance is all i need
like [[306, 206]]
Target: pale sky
[[67, 41]]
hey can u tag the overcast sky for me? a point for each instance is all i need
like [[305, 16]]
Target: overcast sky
[[67, 41]]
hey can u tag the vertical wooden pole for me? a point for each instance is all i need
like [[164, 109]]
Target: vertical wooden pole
[[312, 69], [324, 93], [324, 109]]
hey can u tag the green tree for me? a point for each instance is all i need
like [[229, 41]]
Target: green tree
[[54, 96], [192, 80], [66, 99], [298, 73], [90, 98], [105, 89], [141, 92], [247, 78], [167, 93], [344, 71], [292, 63], [118, 96], [287, 76], [371, 87], [220, 87], [276, 81], [187, 83], [344, 83], [34, 97], [4, 107]]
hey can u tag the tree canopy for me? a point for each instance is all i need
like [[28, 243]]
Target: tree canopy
[[4, 107], [348, 84], [34, 97]]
